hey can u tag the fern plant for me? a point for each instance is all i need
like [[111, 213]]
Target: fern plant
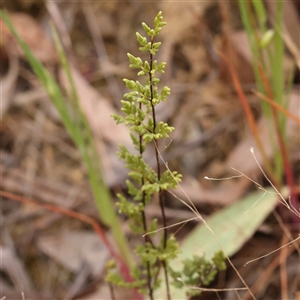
[[138, 107]]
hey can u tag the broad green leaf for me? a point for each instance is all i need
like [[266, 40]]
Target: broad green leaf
[[232, 228]]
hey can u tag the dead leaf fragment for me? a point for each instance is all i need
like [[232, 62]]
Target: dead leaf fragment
[[236, 48], [30, 31], [75, 249]]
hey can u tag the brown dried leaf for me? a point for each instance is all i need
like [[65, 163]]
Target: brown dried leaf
[[75, 249], [236, 48], [98, 110], [188, 12], [30, 31]]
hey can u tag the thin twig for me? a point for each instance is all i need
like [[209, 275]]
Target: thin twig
[[146, 238], [101, 51], [277, 106], [283, 273], [58, 19], [258, 258], [160, 194], [263, 279]]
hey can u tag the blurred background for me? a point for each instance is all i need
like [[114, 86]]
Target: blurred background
[[50, 256]]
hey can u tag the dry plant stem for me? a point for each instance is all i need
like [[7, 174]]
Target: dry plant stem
[[111, 291], [149, 279], [264, 278], [145, 227], [100, 49], [280, 248], [58, 20], [217, 294], [282, 147], [237, 294], [283, 273], [78, 216], [285, 230], [160, 194], [217, 290]]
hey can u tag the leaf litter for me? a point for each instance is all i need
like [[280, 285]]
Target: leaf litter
[[200, 100]]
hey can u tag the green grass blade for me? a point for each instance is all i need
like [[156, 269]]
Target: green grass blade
[[278, 79], [277, 63], [77, 126], [254, 45]]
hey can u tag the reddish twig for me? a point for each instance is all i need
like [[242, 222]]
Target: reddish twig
[[287, 166], [249, 115], [277, 106]]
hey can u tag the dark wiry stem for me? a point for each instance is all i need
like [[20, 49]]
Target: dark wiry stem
[[146, 238], [160, 194]]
